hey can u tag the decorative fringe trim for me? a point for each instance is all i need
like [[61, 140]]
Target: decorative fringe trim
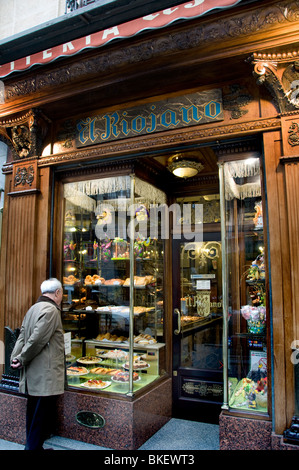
[[78, 193], [241, 169]]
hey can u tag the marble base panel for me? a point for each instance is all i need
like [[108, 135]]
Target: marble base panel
[[279, 444], [13, 417], [128, 423], [238, 433]]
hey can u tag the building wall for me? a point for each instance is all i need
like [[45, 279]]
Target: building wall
[[19, 15]]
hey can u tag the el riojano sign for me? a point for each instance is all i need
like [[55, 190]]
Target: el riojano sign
[[173, 113]]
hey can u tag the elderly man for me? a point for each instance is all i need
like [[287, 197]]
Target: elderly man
[[39, 354]]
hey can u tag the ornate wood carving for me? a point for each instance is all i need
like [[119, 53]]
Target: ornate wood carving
[[279, 72], [24, 133], [290, 135], [236, 99], [187, 37], [25, 178]]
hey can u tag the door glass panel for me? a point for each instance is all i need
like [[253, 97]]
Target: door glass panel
[[201, 288], [201, 305]]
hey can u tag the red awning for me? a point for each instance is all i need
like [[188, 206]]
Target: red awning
[[160, 19]]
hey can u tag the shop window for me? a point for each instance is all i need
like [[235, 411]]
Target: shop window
[[246, 293], [113, 307]]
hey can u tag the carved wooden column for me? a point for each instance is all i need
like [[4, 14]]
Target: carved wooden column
[[290, 159], [21, 241], [25, 210], [291, 165], [279, 72]]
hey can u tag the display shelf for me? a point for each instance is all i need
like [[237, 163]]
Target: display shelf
[[125, 345], [114, 387]]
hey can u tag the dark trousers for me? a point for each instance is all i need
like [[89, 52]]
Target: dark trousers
[[40, 420]]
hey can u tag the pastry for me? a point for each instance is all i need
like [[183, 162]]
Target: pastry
[[113, 282], [96, 383], [115, 354], [70, 280], [89, 360], [77, 371], [124, 377], [115, 338], [104, 371], [140, 281], [94, 280], [144, 339], [137, 365]]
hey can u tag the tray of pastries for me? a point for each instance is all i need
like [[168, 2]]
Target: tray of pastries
[[144, 339], [140, 281], [138, 364], [89, 360], [75, 371], [104, 371], [115, 354], [96, 384], [113, 282], [94, 280], [111, 338], [70, 280], [121, 310], [124, 377]]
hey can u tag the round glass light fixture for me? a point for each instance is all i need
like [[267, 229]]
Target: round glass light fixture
[[184, 168]]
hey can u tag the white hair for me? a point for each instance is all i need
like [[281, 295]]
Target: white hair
[[50, 285]]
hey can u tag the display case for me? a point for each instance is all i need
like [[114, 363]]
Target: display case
[[113, 279], [245, 292]]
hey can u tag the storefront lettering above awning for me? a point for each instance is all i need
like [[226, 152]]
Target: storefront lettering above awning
[[160, 19]]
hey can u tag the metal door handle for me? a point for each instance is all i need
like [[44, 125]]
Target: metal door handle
[[178, 313]]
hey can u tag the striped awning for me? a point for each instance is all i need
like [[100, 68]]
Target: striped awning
[[160, 19]]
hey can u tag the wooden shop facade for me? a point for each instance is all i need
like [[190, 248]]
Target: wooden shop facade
[[156, 175]]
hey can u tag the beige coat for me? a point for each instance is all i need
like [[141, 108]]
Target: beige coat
[[40, 349]]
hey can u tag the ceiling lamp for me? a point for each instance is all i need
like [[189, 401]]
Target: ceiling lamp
[[184, 168]]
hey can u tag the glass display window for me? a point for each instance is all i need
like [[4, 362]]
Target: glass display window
[[245, 290], [113, 279]]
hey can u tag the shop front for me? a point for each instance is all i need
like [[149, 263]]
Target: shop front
[[161, 197]]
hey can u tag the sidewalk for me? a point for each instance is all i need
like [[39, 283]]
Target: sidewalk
[[177, 434]]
